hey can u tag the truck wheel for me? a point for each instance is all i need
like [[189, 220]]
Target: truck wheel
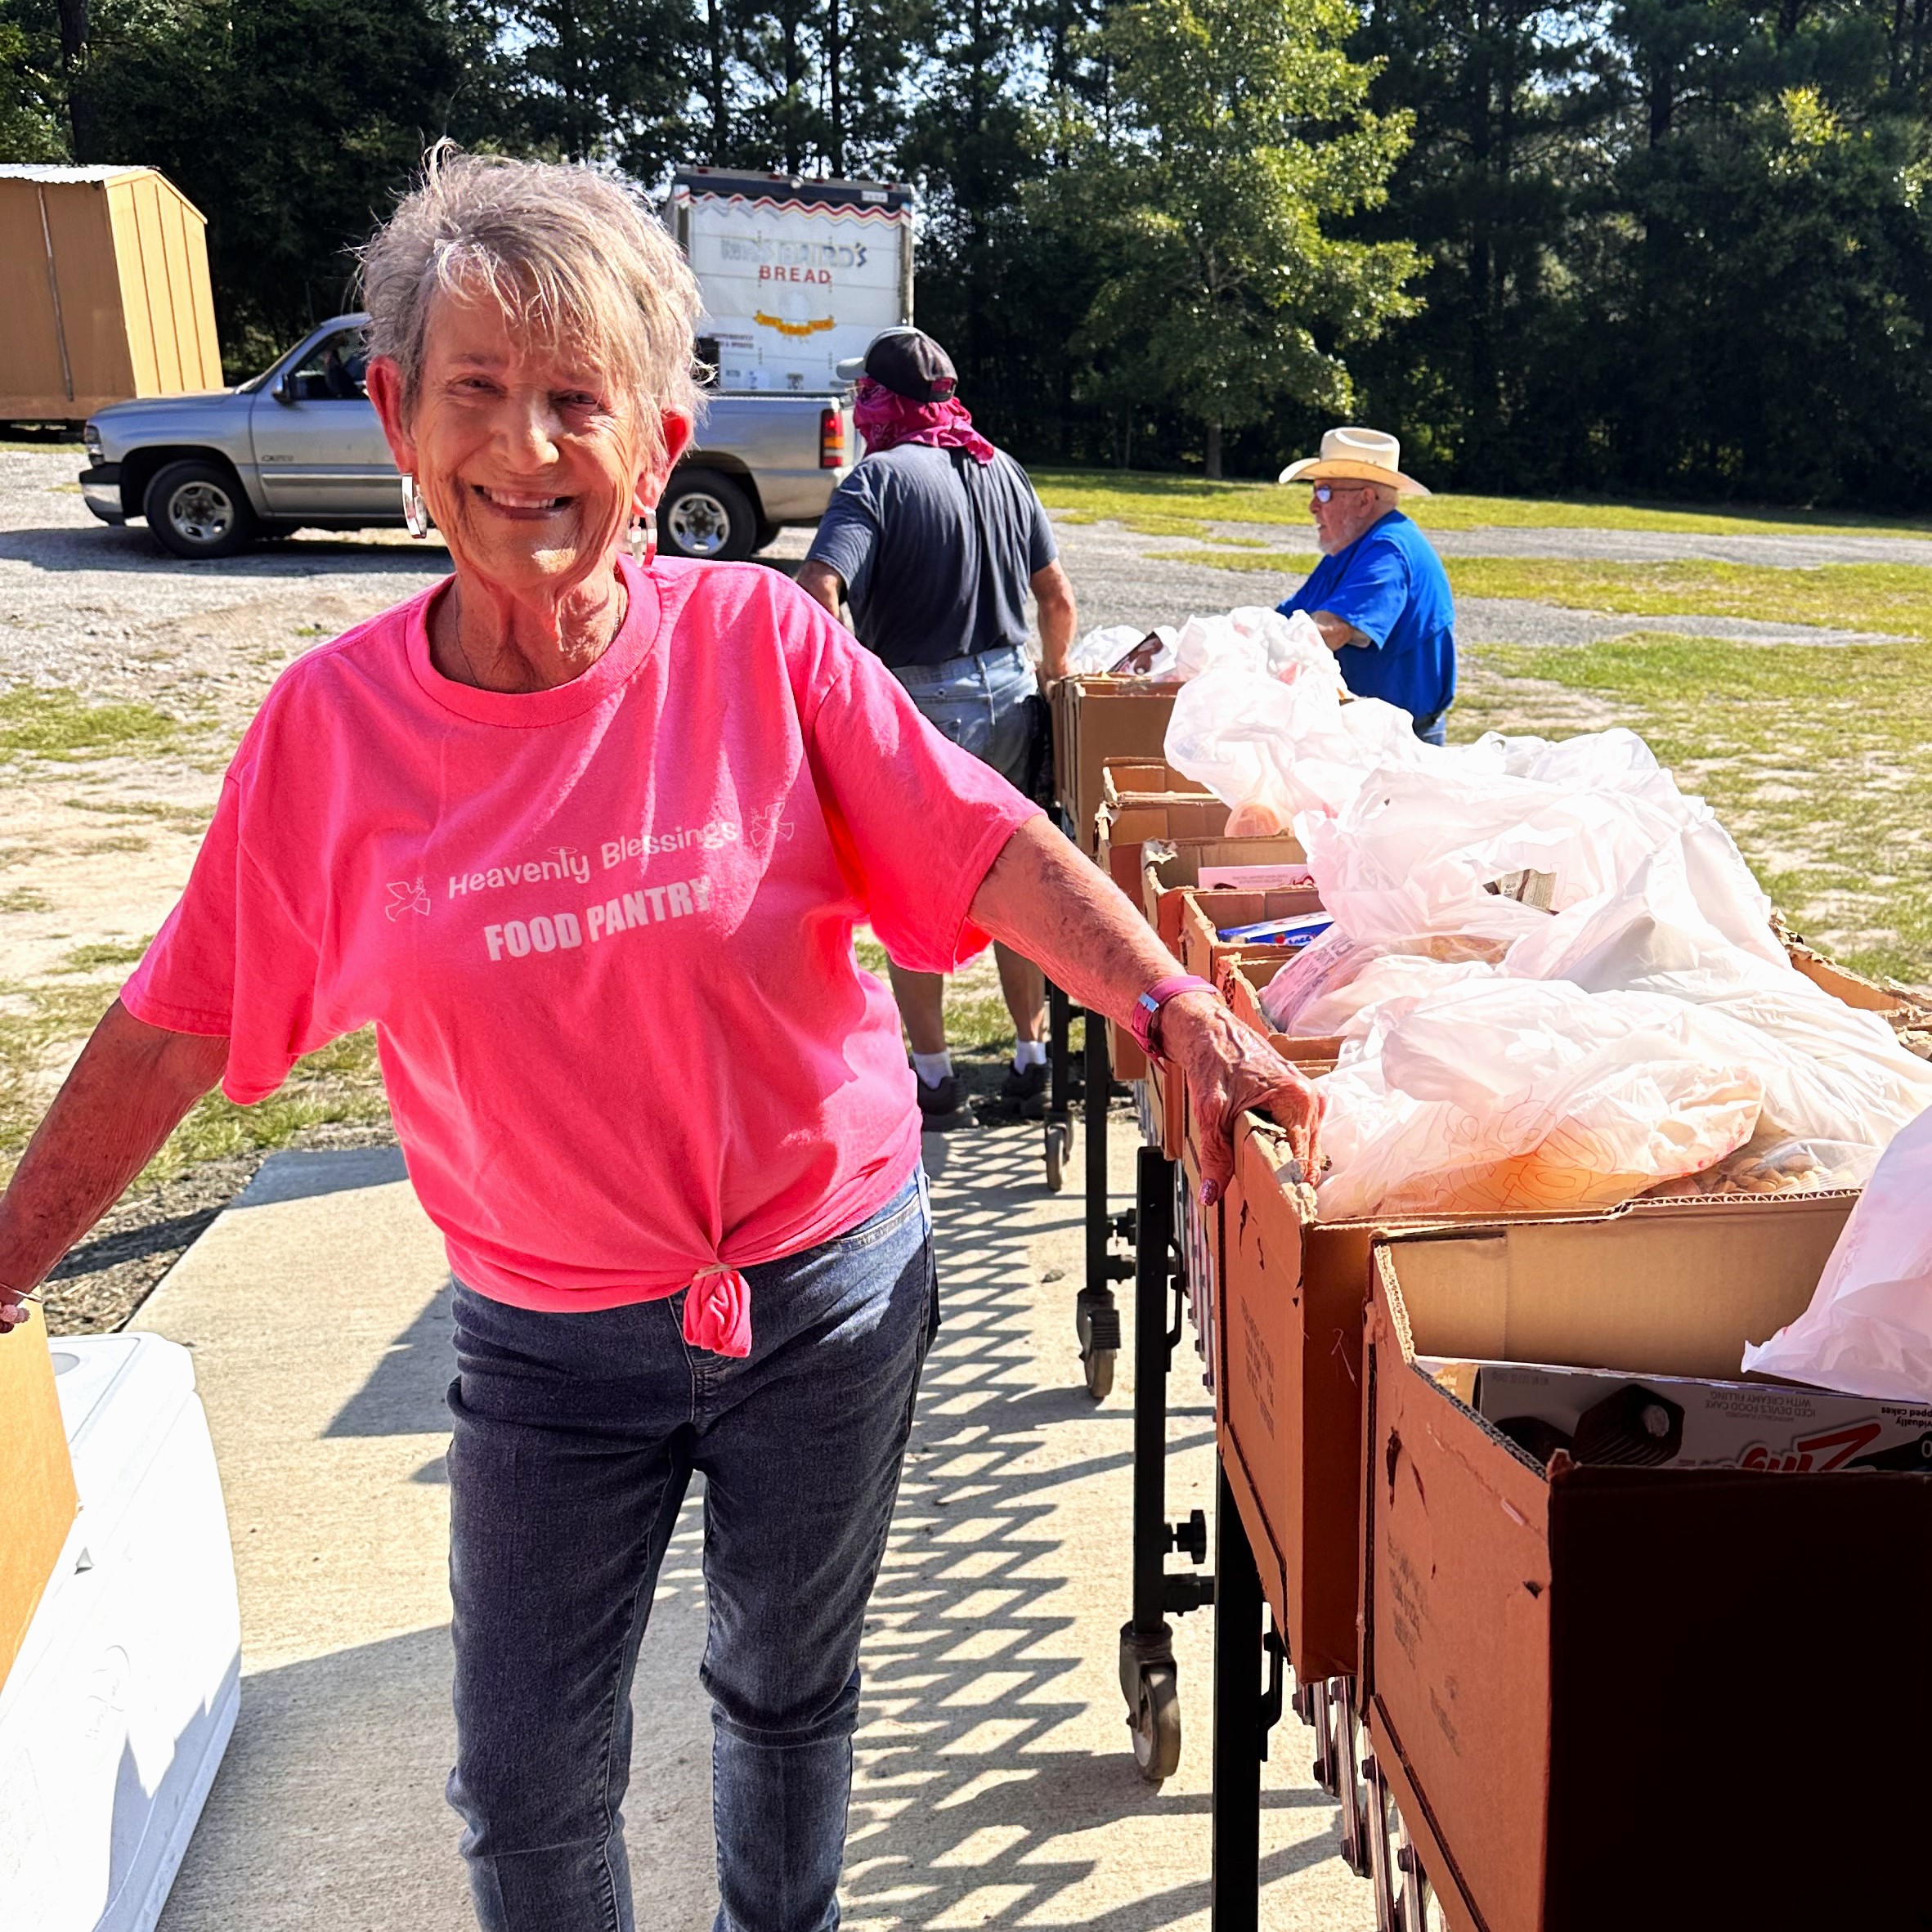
[[197, 510], [706, 516]]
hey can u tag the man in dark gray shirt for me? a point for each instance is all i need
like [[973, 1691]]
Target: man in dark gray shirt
[[934, 540]]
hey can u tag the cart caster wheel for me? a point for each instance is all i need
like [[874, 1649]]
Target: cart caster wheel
[[1097, 1322], [1156, 1723], [1060, 1143]]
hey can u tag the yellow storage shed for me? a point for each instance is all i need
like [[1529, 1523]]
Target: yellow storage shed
[[110, 298]]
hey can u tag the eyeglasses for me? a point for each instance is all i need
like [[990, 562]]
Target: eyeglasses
[[1327, 492]]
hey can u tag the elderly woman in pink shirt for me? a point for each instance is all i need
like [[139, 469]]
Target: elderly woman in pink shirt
[[585, 836]]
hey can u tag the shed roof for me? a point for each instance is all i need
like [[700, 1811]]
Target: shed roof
[[36, 171]]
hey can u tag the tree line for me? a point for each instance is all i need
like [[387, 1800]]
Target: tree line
[[1659, 247]]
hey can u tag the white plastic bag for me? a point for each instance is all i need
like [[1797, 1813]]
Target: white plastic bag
[[1337, 985], [1507, 1096], [1420, 848], [1766, 1165], [1253, 638], [1284, 748], [1868, 1331], [1101, 650]]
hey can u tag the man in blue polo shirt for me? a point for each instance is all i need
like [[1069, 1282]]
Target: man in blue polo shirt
[[1379, 595]]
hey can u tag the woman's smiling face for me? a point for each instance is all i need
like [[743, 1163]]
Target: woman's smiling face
[[532, 461]]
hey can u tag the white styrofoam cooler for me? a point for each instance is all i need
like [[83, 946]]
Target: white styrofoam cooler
[[116, 1714]]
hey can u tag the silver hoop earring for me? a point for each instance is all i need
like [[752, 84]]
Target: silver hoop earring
[[416, 514], [643, 537]]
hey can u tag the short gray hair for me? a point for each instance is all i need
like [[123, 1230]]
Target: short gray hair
[[571, 256]]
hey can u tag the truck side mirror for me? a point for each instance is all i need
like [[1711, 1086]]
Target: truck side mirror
[[284, 388]]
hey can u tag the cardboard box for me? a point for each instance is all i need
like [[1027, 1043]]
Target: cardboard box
[[1604, 1417], [1204, 914], [1186, 830], [1288, 1408], [1168, 896], [1095, 719], [41, 1500], [1146, 780], [1241, 979], [1255, 878], [1612, 1697], [1172, 868]]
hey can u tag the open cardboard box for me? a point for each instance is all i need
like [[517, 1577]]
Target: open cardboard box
[[1241, 979], [1169, 899], [1204, 914], [1189, 830], [1607, 1696], [41, 1500], [1289, 1390], [1170, 870], [1095, 719], [1146, 780]]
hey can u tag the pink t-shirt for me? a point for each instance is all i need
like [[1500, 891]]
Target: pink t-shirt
[[604, 931]]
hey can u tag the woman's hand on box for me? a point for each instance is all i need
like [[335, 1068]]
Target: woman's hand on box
[[1231, 1070]]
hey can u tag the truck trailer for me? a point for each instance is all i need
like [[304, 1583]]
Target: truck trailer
[[797, 276]]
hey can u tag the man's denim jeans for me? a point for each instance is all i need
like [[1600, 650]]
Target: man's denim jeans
[[575, 1436], [980, 702]]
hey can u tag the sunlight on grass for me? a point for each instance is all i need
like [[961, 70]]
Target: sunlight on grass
[[60, 723], [1817, 760], [1183, 506], [1893, 598], [42, 1026], [976, 1015], [339, 1085], [101, 954]]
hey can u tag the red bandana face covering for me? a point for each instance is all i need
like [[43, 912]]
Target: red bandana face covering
[[885, 419]]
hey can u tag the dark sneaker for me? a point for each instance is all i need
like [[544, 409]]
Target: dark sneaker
[[937, 1103], [1025, 1088]]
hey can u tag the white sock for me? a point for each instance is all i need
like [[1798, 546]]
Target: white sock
[[1028, 1053], [933, 1068]]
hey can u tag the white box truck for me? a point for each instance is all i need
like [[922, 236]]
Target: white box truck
[[797, 276]]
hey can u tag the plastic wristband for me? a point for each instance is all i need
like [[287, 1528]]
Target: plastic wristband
[[1146, 1017]]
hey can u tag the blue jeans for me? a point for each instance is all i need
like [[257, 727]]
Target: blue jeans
[[1433, 730], [980, 702], [575, 1436]]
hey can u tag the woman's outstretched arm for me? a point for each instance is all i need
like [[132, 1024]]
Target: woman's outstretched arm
[[128, 1092], [1044, 900]]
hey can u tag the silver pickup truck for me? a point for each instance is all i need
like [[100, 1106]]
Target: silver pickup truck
[[299, 447]]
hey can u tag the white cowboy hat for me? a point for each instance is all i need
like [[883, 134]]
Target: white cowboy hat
[[1360, 455]]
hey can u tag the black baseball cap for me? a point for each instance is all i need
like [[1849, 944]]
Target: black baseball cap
[[909, 362]]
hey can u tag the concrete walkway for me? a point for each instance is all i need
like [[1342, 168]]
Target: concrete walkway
[[995, 1787]]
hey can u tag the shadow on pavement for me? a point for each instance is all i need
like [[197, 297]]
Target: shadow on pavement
[[111, 547], [981, 1799]]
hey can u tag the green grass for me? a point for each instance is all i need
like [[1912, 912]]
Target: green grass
[[1895, 598], [58, 723], [25, 899], [340, 1084], [976, 1016], [1819, 761], [182, 818], [1183, 506], [102, 954]]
